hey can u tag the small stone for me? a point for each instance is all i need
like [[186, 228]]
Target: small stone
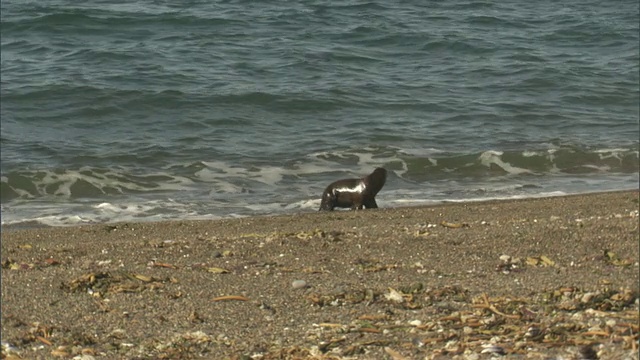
[[84, 357], [493, 349], [532, 331], [587, 353], [299, 284]]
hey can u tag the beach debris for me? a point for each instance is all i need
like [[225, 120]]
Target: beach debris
[[51, 262], [394, 354], [141, 277], [413, 288], [333, 235], [509, 264], [84, 357], [188, 345], [493, 349], [217, 270], [613, 259], [36, 333], [341, 297], [541, 260], [421, 233], [373, 265], [61, 351], [333, 343], [104, 262], [99, 284], [164, 243], [312, 270], [533, 333], [230, 298], [394, 296], [454, 225], [195, 317], [483, 303], [13, 265], [161, 264], [500, 326], [9, 350]]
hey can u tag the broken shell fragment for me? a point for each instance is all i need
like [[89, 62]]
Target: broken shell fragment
[[230, 298], [394, 296], [453, 225], [217, 270]]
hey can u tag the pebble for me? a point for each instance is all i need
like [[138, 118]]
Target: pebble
[[84, 357], [299, 284], [492, 349]]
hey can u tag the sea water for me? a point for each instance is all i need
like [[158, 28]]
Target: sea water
[[154, 110]]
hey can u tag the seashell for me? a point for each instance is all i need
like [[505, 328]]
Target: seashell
[[394, 296]]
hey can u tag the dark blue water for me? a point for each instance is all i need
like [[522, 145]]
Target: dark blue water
[[151, 110]]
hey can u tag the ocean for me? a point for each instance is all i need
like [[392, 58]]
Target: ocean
[[117, 111]]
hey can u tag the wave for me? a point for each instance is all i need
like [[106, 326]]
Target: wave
[[416, 166], [492, 163]]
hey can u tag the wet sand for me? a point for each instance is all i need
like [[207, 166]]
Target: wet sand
[[531, 278]]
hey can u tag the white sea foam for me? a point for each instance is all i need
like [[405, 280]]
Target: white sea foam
[[219, 188], [304, 204], [603, 168], [425, 201], [420, 152], [494, 157], [529, 153], [365, 163], [60, 184], [613, 150]]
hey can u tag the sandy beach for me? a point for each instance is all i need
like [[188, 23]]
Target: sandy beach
[[532, 279]]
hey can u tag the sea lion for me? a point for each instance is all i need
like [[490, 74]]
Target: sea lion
[[354, 193]]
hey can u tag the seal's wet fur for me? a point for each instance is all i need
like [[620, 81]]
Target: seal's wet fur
[[354, 193]]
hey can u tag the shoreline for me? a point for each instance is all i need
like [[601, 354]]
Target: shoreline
[[551, 276], [21, 226]]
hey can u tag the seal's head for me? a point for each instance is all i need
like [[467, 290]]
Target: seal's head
[[375, 181], [354, 193]]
